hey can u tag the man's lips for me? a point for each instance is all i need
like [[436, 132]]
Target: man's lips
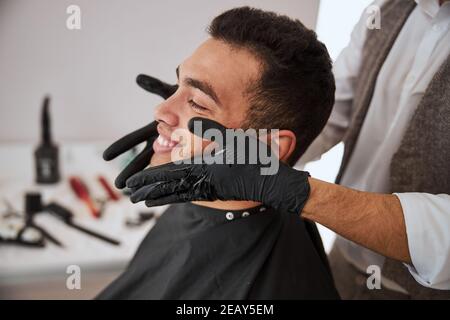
[[163, 144]]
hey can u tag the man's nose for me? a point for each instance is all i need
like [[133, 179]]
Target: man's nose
[[166, 112]]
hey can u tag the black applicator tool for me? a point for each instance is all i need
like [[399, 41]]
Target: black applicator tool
[[46, 154]]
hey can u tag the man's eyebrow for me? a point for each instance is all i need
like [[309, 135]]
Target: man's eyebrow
[[203, 86]]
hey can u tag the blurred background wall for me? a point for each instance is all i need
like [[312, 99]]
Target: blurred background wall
[[90, 73]]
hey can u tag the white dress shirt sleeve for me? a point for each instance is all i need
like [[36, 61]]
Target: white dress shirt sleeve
[[427, 219]]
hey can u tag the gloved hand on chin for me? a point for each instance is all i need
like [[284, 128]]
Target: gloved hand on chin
[[221, 176]]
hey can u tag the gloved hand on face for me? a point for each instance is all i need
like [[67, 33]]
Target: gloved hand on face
[[222, 177]]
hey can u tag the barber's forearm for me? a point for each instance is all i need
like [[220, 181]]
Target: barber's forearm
[[372, 220]]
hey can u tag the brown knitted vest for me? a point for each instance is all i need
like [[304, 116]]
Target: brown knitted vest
[[422, 162]]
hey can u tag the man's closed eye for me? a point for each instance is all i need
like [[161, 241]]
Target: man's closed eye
[[197, 107]]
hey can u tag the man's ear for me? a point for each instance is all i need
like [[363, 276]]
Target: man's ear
[[286, 143]]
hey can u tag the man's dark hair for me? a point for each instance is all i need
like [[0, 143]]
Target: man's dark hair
[[296, 88]]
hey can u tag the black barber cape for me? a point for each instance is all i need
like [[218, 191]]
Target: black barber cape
[[195, 252]]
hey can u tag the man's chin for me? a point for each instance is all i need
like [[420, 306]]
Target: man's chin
[[160, 159]]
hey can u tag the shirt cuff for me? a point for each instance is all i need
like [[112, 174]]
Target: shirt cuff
[[427, 220]]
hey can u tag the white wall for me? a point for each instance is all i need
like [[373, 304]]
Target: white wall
[[336, 21], [90, 73]]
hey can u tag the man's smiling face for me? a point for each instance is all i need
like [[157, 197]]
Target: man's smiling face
[[213, 83]]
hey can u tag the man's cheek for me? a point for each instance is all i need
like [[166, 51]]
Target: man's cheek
[[178, 153], [191, 146]]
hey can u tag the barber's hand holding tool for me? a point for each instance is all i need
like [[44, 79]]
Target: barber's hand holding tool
[[147, 133]]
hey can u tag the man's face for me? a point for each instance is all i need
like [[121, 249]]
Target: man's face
[[213, 84]]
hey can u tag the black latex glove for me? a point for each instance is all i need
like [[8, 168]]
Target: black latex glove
[[147, 133], [286, 190]]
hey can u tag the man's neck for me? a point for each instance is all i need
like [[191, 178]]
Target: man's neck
[[228, 205]]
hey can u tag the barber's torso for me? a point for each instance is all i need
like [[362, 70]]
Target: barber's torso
[[419, 50]]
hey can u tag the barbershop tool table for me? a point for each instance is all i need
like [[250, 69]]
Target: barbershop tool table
[[41, 273]]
